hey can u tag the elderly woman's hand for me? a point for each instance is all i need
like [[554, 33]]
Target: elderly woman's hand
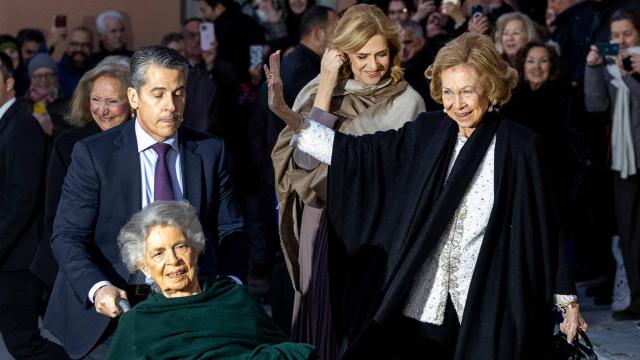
[[572, 321], [276, 93]]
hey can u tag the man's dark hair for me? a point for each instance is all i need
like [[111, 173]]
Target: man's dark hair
[[171, 37], [314, 16], [28, 34], [161, 56], [184, 23], [6, 66]]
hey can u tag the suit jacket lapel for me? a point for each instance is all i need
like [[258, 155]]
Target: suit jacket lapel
[[191, 171], [127, 162]]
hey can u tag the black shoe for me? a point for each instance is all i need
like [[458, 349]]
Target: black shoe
[[625, 314]]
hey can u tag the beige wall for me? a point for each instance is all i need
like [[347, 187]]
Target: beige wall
[[148, 20]]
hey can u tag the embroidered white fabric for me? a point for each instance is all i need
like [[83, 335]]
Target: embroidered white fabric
[[450, 267], [316, 140], [561, 300]]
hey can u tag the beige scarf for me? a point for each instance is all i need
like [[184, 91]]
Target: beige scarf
[[361, 109]]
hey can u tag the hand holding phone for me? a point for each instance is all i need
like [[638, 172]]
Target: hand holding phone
[[477, 11], [207, 36]]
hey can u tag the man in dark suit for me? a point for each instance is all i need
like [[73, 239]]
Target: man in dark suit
[[22, 159], [116, 173]]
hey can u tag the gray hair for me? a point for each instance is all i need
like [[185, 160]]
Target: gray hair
[[161, 56], [133, 235], [417, 29], [103, 17], [503, 20]]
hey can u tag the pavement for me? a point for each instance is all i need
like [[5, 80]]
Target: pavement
[[612, 340]]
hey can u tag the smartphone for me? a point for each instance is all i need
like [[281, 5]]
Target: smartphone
[[608, 49], [207, 35], [477, 11], [626, 64], [60, 21], [255, 54]]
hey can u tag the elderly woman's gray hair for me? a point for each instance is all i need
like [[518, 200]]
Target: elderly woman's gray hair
[[157, 55], [133, 235], [503, 20]]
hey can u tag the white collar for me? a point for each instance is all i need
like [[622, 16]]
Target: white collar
[[145, 140], [6, 106]]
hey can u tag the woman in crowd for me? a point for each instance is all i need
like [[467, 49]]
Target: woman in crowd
[[513, 31], [43, 98], [449, 244], [540, 102], [98, 104], [617, 85], [360, 90], [187, 318]]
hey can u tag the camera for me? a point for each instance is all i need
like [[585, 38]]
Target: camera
[[626, 64]]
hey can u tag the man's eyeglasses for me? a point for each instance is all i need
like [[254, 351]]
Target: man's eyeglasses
[[80, 45], [47, 76]]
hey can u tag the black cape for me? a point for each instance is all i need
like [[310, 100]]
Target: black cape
[[389, 206]]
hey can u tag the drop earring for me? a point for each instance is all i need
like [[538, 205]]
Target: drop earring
[[444, 110], [493, 103]]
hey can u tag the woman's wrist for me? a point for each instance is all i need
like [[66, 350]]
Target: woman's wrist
[[323, 96]]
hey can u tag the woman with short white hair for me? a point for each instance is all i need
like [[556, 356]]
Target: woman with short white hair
[[186, 318]]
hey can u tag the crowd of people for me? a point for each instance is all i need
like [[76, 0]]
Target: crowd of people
[[394, 179]]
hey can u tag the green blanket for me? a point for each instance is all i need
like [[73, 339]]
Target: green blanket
[[222, 322]]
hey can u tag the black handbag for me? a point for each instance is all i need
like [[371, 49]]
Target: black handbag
[[581, 349]]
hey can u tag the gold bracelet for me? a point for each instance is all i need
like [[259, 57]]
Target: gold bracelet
[[570, 305]]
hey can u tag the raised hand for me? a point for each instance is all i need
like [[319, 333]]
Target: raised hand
[[594, 58], [276, 93], [332, 62]]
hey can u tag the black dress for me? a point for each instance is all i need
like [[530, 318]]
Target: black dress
[[388, 208]]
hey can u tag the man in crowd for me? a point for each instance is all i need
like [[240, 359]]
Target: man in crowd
[[191, 34], [303, 64], [117, 173], [235, 32], [416, 57], [112, 33], [21, 178], [174, 41], [75, 61]]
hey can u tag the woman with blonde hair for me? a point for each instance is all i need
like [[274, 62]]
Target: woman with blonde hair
[[449, 243], [98, 104], [360, 90], [513, 31]]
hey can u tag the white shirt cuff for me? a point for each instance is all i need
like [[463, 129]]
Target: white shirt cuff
[[94, 288], [235, 279]]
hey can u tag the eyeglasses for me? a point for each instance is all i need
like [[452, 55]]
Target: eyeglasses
[[47, 76], [192, 35], [80, 45], [398, 12]]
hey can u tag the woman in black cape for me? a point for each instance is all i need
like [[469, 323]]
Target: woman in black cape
[[445, 243]]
